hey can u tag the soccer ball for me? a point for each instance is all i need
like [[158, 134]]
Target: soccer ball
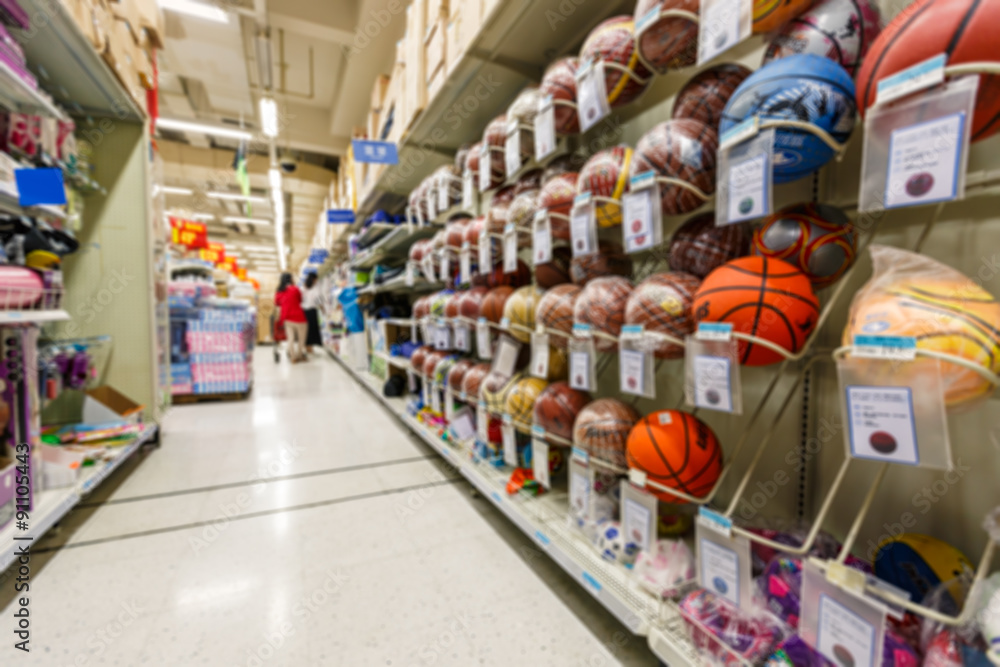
[[613, 545]]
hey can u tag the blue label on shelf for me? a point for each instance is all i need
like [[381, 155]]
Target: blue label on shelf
[[496, 497], [591, 581], [715, 327], [542, 537], [36, 187], [716, 518], [924, 74], [902, 342]]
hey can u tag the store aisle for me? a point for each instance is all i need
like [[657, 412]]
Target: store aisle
[[304, 526]]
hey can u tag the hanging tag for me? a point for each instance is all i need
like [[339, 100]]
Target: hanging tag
[[485, 168], [639, 516], [485, 255], [482, 422], [635, 364], [509, 248], [512, 148], [444, 188], [462, 342], [445, 266], [882, 425], [468, 190], [432, 205], [425, 391], [465, 264], [900, 348], [712, 370], [411, 270], [411, 382], [463, 425], [541, 235], [723, 564], [540, 457], [505, 362], [540, 355], [592, 94], [926, 74], [642, 226], [435, 399], [580, 486], [484, 344], [509, 436], [722, 25], [413, 331], [745, 174], [449, 406], [583, 226], [420, 217], [425, 332], [718, 331], [581, 359], [713, 383], [442, 336], [545, 129], [427, 266]]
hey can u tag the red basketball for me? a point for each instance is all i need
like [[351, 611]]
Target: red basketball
[[472, 231], [662, 303], [418, 200], [705, 96], [451, 306], [610, 260], [762, 297], [557, 197], [602, 429], [678, 450], [450, 179], [699, 246], [555, 311], [496, 299], [418, 249], [602, 306], [557, 408], [418, 357], [605, 176], [433, 358], [555, 272], [474, 379], [455, 232], [524, 108], [559, 81], [683, 149], [422, 307], [471, 302], [962, 29], [472, 161], [613, 41], [522, 212], [499, 210], [495, 136], [457, 373], [518, 278], [669, 42]]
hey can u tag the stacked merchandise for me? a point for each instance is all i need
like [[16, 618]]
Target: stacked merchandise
[[12, 56], [184, 299], [20, 425], [220, 344]]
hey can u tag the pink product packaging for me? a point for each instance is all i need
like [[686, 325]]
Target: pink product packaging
[[13, 14], [10, 44], [19, 134]]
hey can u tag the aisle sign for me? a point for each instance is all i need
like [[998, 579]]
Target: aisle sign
[[540, 457], [925, 161], [545, 128], [592, 94], [642, 225], [583, 226], [374, 152], [722, 25], [509, 436], [40, 186], [340, 216], [215, 253], [190, 234], [465, 264], [509, 248], [882, 425], [712, 383], [541, 236], [512, 148]]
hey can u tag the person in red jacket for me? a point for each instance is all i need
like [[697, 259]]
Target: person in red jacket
[[289, 300]]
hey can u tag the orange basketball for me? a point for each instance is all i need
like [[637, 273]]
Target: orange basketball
[[492, 308], [678, 450], [761, 297]]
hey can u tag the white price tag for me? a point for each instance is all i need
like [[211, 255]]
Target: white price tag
[[485, 168], [425, 390], [427, 266], [482, 422], [512, 149], [462, 425], [924, 162], [465, 264], [592, 94], [444, 187], [505, 362], [882, 425], [642, 217], [845, 636], [720, 570], [445, 274], [442, 336], [411, 271], [540, 355], [720, 331], [509, 441], [636, 521], [540, 461], [925, 74], [436, 399], [720, 27], [485, 254], [545, 129], [712, 383], [579, 371], [579, 493], [583, 226], [484, 342], [632, 371], [449, 406], [462, 342], [901, 348], [509, 248], [541, 236], [468, 190], [747, 183]]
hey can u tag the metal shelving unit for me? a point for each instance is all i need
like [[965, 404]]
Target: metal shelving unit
[[393, 245], [18, 95], [32, 316]]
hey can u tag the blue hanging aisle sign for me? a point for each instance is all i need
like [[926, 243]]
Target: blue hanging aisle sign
[[340, 216], [318, 256], [375, 152]]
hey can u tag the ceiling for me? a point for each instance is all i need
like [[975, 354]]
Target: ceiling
[[216, 73]]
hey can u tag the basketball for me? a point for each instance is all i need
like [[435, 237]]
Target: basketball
[[677, 450], [557, 197], [520, 311], [433, 358], [669, 42], [761, 297], [555, 311], [529, 181], [805, 88], [816, 238], [683, 149], [520, 403], [962, 29], [443, 369], [472, 161], [662, 303], [699, 247], [454, 232], [601, 305], [452, 303], [613, 42], [438, 302], [493, 304], [919, 563], [494, 391], [450, 179], [558, 363], [556, 272], [770, 15], [602, 429], [519, 278], [524, 108], [418, 358], [473, 380], [471, 302], [472, 231], [705, 96], [422, 307], [841, 30], [556, 410], [564, 164], [497, 216], [495, 136], [418, 249], [605, 176], [457, 374], [559, 81], [610, 260], [913, 295], [522, 214]]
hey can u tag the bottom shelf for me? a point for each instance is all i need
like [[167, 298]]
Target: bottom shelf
[[543, 520]]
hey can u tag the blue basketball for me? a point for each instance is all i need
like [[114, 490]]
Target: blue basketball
[[807, 88]]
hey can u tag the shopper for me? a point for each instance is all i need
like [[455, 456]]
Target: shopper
[[289, 299], [311, 301]]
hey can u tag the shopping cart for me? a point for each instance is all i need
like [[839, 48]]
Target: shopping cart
[[277, 334]]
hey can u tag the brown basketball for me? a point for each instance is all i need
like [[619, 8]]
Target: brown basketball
[[602, 429], [610, 260], [613, 42], [418, 249], [662, 303], [683, 149], [705, 96], [472, 161], [670, 42], [495, 136], [457, 373], [555, 272], [699, 246], [520, 312], [564, 164], [557, 197], [418, 357], [452, 304], [496, 299], [524, 108], [473, 380], [522, 214], [454, 232], [602, 306], [471, 301], [518, 278], [433, 358], [472, 231], [555, 311], [422, 307], [499, 211], [556, 409], [559, 81]]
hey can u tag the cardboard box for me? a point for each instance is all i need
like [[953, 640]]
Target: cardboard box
[[105, 404], [437, 9], [144, 67], [415, 90], [379, 91], [453, 42], [128, 12], [434, 50], [82, 13], [104, 24], [151, 21]]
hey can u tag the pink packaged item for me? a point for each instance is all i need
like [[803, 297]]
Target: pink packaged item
[[667, 566], [726, 635]]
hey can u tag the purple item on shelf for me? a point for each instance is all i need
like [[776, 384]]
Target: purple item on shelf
[[781, 584], [13, 14], [79, 371], [794, 652], [11, 44], [18, 68]]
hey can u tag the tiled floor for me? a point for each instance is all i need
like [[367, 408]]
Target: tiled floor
[[186, 557]]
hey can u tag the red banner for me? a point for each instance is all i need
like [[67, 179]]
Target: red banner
[[256, 285], [241, 274], [229, 264], [215, 253], [193, 235]]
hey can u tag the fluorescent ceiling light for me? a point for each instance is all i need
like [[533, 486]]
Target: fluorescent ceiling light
[[236, 196], [202, 128], [171, 190], [249, 221], [196, 9], [269, 117]]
